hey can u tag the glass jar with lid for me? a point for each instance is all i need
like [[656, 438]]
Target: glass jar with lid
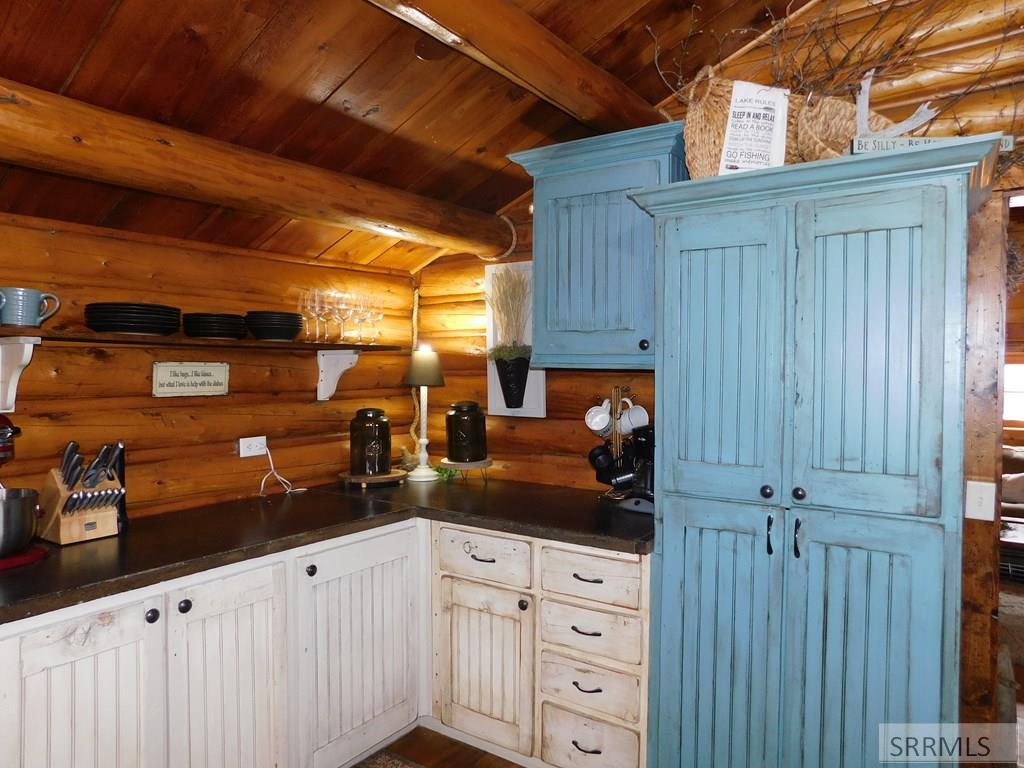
[[466, 426], [370, 436]]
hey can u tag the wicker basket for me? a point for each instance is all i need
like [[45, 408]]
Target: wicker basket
[[815, 131]]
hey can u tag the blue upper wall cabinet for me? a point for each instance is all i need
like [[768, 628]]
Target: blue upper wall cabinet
[[593, 249], [810, 399]]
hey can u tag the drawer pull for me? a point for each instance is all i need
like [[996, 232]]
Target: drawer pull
[[581, 689], [579, 631], [588, 581], [585, 751], [483, 559]]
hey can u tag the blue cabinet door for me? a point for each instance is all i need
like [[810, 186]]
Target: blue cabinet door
[[869, 341], [720, 354], [594, 269], [719, 645], [864, 634]]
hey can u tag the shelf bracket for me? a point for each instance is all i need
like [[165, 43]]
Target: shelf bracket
[[332, 363], [15, 354]]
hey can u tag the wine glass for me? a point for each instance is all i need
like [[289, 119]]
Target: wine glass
[[323, 313], [376, 318], [305, 308]]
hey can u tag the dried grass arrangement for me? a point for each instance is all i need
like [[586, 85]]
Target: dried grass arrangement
[[822, 53], [509, 300]]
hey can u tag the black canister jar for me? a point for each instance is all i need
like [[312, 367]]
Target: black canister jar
[[370, 435], [466, 425]]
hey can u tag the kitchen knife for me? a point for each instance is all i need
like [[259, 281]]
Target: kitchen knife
[[110, 470], [74, 472], [97, 469], [70, 451], [69, 505]]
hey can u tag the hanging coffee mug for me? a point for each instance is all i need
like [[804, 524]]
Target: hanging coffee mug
[[27, 306]]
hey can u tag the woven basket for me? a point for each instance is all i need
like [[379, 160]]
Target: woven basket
[[815, 131]]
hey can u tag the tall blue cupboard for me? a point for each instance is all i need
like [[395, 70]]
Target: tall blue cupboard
[[809, 366]]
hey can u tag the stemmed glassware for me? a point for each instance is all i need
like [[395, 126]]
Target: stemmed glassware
[[320, 306], [305, 308]]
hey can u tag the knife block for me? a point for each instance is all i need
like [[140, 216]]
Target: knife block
[[83, 525]]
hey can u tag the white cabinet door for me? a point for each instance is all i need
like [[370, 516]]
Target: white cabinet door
[[358, 637], [484, 654], [87, 692], [227, 646]]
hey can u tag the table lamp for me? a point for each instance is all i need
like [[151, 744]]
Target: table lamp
[[424, 371]]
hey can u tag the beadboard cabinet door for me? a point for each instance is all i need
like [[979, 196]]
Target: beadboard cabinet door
[[870, 338], [226, 647], [864, 644], [358, 644], [720, 354], [720, 643], [486, 649], [87, 692]]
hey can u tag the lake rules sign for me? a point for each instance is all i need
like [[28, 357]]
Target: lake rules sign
[[755, 135], [190, 379]]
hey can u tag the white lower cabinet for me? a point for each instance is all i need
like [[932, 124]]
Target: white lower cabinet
[[87, 692], [358, 641], [485, 643], [226, 644], [556, 671]]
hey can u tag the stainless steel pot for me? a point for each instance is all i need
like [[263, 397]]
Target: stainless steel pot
[[19, 511]]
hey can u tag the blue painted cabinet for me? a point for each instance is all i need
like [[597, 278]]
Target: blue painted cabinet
[[809, 371], [593, 249]]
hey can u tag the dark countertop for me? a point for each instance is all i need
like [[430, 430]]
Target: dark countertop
[[175, 544]]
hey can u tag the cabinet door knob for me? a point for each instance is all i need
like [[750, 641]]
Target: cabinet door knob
[[644, 344], [311, 570], [152, 616], [524, 604], [767, 491], [799, 493], [185, 606]]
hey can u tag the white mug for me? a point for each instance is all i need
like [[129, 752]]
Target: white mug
[[633, 417], [599, 419]]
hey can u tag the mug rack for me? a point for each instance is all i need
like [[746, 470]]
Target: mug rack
[[63, 524]]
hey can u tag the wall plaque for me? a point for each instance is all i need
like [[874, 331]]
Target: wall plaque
[[190, 379]]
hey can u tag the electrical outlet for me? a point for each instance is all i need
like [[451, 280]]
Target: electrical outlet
[[252, 446]]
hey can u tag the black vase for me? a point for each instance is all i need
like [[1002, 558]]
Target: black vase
[[512, 377]]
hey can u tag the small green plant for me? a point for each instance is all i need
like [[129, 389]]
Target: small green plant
[[509, 351], [446, 474]]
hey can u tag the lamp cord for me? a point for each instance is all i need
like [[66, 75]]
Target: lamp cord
[[412, 390]]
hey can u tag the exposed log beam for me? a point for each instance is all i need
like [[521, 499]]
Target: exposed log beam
[[39, 129], [508, 40]]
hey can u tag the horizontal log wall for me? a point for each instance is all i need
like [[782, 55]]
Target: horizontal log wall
[[183, 451], [551, 450]]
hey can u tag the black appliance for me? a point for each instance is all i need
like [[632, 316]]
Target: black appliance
[[631, 476]]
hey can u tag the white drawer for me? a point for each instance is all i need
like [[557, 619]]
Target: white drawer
[[606, 580], [504, 561], [574, 741], [576, 682], [611, 635]]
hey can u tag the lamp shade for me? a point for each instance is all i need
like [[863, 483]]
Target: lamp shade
[[425, 369]]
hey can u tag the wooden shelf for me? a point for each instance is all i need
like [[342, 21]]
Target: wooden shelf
[[180, 340]]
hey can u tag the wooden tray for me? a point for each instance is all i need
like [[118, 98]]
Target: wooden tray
[[394, 477]]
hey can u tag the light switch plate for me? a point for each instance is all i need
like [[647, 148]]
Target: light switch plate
[[980, 501]]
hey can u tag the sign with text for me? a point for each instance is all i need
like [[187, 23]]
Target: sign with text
[[190, 379], [755, 134], [864, 144]]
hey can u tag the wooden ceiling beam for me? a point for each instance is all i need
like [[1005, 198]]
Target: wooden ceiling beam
[[509, 41], [42, 130]]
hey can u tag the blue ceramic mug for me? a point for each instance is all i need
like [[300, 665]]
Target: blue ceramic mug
[[26, 306]]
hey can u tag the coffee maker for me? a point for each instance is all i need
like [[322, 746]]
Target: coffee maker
[[631, 476], [7, 434]]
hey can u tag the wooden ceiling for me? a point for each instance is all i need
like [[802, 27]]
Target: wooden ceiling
[[343, 85]]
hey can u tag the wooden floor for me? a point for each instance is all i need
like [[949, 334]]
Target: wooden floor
[[434, 750]]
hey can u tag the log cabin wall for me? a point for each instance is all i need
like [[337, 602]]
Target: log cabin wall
[[183, 451], [552, 450]]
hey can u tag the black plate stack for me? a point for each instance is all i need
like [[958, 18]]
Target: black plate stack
[[121, 317], [211, 325], [273, 326]]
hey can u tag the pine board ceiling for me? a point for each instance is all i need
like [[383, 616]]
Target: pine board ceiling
[[339, 84], [334, 83]]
